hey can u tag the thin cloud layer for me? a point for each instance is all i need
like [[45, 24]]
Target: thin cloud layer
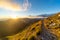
[[26, 5], [12, 6]]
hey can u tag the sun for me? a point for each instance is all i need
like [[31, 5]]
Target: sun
[[14, 16]]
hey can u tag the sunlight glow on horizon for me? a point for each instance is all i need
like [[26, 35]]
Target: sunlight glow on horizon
[[13, 16], [16, 16]]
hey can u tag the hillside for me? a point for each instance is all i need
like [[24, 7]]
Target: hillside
[[31, 33], [38, 29], [52, 24], [13, 26], [42, 30]]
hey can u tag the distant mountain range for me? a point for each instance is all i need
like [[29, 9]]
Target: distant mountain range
[[40, 16], [45, 15]]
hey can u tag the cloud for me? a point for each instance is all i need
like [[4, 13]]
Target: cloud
[[9, 6], [13, 6], [26, 5]]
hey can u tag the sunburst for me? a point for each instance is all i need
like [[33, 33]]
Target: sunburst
[[13, 16]]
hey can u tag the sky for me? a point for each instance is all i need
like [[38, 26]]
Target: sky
[[28, 7]]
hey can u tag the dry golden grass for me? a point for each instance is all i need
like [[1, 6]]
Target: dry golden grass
[[33, 31], [52, 24], [30, 33]]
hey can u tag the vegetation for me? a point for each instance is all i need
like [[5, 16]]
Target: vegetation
[[52, 24], [31, 29]]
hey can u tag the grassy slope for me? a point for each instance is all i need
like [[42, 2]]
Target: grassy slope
[[32, 32], [12, 27], [52, 24]]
